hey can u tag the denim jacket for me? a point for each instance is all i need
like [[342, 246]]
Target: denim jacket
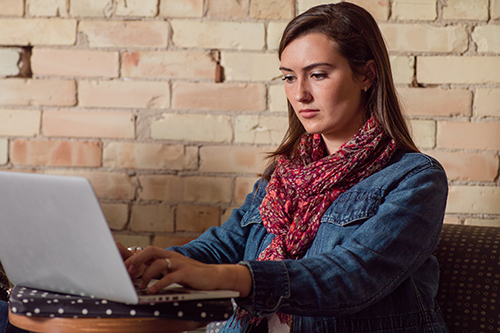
[[370, 267]]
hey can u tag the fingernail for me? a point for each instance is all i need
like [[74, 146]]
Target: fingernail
[[132, 269]]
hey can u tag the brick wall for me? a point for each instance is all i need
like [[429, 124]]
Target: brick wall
[[124, 92]]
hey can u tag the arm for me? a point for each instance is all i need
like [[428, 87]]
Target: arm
[[213, 256]]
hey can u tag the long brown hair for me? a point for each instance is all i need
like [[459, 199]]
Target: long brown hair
[[359, 40]]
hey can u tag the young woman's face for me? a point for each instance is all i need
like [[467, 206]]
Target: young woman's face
[[325, 94]]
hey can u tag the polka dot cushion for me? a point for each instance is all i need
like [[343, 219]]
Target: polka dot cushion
[[469, 281], [32, 302]]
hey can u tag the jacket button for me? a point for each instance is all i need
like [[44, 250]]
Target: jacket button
[[270, 302]]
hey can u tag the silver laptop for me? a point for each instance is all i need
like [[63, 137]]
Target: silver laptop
[[54, 236]]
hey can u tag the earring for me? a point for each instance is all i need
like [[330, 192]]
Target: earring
[[365, 89]]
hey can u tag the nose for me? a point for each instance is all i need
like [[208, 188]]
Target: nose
[[302, 91]]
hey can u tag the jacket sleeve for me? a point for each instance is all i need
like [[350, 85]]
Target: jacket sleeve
[[371, 262], [225, 244]]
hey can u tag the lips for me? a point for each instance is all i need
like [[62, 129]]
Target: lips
[[308, 113]]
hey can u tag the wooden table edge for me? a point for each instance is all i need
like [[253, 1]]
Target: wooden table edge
[[104, 325]]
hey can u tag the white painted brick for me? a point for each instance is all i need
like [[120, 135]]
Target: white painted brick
[[4, 151], [218, 34], [487, 102], [168, 64], [196, 218], [304, 5], [114, 33], [91, 8], [465, 10], [473, 200], [116, 215], [47, 8], [15, 122], [192, 127], [12, 7], [124, 94], [424, 38], [71, 62], [35, 92], [260, 129], [147, 8], [37, 31], [239, 159], [379, 9], [181, 8], [436, 102], [228, 8], [274, 33], [487, 38], [468, 135], [107, 184], [495, 9], [275, 9], [425, 10], [424, 133], [250, 66], [152, 218], [483, 222], [456, 69], [403, 68], [88, 124], [207, 189], [9, 58], [277, 98], [130, 155], [216, 96], [242, 187]]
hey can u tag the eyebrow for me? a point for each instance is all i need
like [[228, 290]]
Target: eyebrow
[[308, 67]]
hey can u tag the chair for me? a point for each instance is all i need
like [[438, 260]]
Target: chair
[[469, 280]]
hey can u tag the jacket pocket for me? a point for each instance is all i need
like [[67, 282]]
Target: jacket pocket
[[343, 218], [353, 206]]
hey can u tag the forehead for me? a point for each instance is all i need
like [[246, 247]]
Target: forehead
[[311, 48]]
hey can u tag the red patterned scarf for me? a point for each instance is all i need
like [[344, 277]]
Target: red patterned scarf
[[301, 189]]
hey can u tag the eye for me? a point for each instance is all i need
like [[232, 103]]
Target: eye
[[288, 78], [318, 76]]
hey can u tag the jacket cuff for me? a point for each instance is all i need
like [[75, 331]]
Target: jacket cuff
[[270, 287]]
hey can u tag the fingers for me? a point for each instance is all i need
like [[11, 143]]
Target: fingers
[[172, 267], [166, 268], [145, 257], [124, 252], [152, 262], [155, 269]]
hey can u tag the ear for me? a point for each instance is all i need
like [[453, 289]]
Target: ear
[[370, 74]]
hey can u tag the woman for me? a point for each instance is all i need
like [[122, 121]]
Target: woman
[[338, 235]]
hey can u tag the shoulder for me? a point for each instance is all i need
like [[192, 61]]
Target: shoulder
[[405, 166], [413, 161]]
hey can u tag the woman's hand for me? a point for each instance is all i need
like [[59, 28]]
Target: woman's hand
[[173, 267], [127, 254], [124, 252]]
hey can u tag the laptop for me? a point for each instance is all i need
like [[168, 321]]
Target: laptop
[[54, 237]]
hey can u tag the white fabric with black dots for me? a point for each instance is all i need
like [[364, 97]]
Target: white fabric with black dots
[[39, 303]]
